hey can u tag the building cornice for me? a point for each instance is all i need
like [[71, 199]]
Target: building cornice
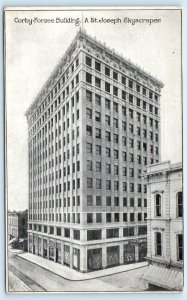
[[66, 59]]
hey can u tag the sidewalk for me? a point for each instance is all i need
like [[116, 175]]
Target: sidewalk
[[15, 251], [71, 274]]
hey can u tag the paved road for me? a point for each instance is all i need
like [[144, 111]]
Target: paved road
[[27, 277]]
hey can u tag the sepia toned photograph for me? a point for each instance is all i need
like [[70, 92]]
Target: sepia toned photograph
[[94, 170]]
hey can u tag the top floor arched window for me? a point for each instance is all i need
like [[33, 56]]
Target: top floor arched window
[[179, 204], [158, 205]]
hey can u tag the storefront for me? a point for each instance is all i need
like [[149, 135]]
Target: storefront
[[58, 253], [142, 251], [94, 259], [40, 247], [112, 256], [35, 245], [76, 258], [45, 248], [51, 250], [129, 253], [67, 255], [30, 243]]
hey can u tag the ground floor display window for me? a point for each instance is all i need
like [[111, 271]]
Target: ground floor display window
[[39, 246], [58, 253], [30, 243], [142, 251], [67, 255], [76, 258], [94, 259], [35, 247], [129, 254], [112, 256], [45, 248]]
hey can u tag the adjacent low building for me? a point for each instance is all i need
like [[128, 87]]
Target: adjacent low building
[[17, 228], [165, 226]]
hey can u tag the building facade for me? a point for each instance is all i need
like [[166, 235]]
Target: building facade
[[165, 226], [17, 227], [92, 130]]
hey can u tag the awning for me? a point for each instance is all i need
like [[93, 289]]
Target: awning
[[12, 241], [171, 279], [21, 240]]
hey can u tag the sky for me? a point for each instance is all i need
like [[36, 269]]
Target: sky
[[33, 51]]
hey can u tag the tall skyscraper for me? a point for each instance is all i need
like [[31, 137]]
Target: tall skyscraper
[[92, 130]]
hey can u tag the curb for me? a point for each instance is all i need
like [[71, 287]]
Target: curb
[[86, 279]]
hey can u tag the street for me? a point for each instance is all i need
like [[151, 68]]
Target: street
[[25, 276]]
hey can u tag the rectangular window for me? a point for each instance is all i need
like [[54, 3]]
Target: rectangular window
[[124, 171], [107, 87], [89, 113], [89, 130], [116, 201], [97, 66], [107, 120], [115, 75], [131, 98], [131, 217], [116, 185], [115, 123], [130, 84], [88, 96], [98, 150], [124, 217], [89, 218], [76, 234], [115, 91], [142, 230], [124, 201], [158, 244], [89, 165], [98, 166], [107, 71], [98, 116], [116, 170], [158, 205], [112, 233], [98, 218], [98, 184], [115, 154], [128, 231], [123, 80], [89, 200], [180, 204], [94, 235], [108, 185], [179, 247], [107, 103], [107, 152], [88, 78], [97, 82], [124, 95], [131, 202], [98, 201], [67, 232], [88, 61], [88, 147], [108, 201], [108, 218], [89, 182], [97, 99], [98, 133], [108, 169]]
